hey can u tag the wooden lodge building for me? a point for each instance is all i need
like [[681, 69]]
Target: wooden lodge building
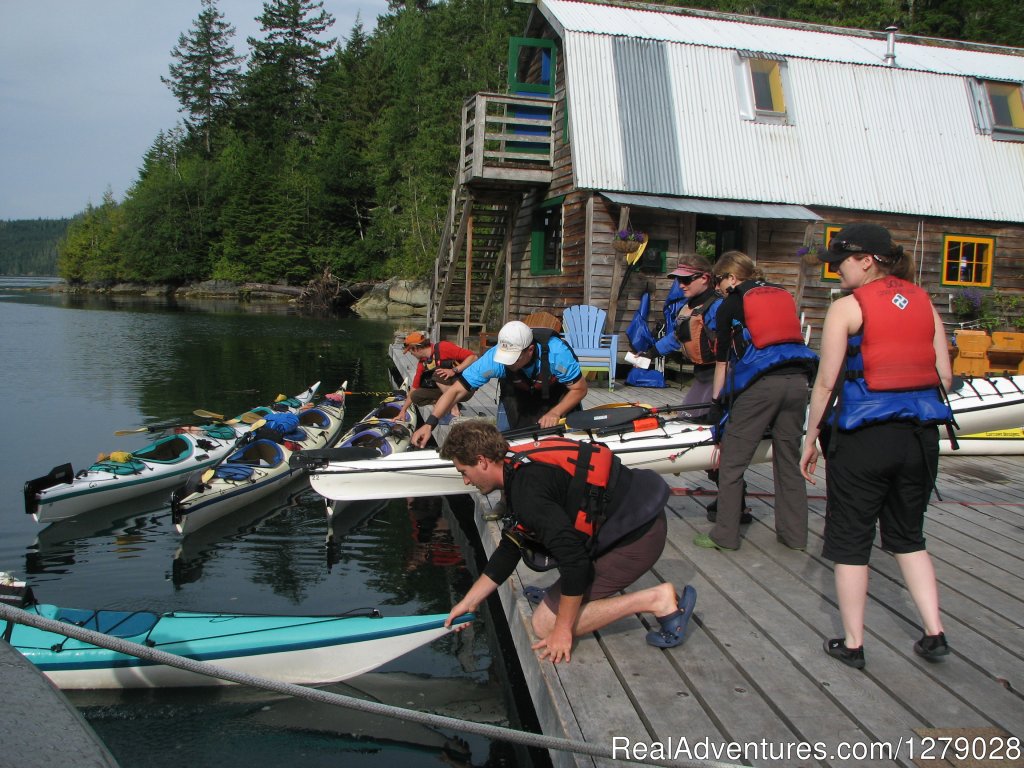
[[712, 131]]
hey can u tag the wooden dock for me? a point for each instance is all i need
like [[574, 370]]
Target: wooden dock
[[753, 672]]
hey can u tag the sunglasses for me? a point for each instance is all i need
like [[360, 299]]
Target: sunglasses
[[687, 279], [720, 278], [844, 246]]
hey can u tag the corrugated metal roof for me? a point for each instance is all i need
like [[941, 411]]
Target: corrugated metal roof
[[657, 112], [674, 27], [714, 207]]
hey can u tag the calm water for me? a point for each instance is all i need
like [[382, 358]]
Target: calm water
[[75, 370]]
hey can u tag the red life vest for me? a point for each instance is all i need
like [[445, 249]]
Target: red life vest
[[771, 317], [769, 337], [899, 327], [592, 466]]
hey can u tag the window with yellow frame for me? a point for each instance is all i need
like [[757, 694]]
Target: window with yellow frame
[[764, 97], [766, 81], [967, 260], [1007, 105], [827, 271]]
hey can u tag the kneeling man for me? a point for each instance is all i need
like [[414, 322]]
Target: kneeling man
[[571, 505]]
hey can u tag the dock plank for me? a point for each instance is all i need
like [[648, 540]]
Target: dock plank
[[753, 667]]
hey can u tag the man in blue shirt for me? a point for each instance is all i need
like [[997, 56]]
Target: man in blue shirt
[[539, 379]]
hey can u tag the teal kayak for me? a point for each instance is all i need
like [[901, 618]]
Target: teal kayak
[[294, 649]]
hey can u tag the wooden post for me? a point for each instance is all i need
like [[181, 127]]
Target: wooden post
[[469, 280], [613, 306]]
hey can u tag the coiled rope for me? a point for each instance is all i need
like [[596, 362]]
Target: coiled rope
[[495, 732]]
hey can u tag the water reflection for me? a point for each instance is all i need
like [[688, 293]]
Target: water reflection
[[76, 369]]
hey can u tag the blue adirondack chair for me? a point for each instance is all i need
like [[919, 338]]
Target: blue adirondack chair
[[583, 329]]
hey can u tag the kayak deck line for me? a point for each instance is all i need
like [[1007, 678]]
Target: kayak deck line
[[157, 656]]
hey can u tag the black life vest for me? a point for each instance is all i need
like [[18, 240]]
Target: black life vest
[[431, 364], [540, 384]]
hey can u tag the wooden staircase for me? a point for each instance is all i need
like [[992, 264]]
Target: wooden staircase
[[469, 273]]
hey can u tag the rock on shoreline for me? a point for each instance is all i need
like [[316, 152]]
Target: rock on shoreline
[[392, 298]]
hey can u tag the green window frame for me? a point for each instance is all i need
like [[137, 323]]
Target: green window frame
[[654, 258], [519, 68], [546, 238], [828, 273], [967, 260]]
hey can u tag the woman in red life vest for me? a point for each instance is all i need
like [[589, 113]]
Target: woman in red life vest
[[602, 525], [761, 380], [883, 356], [439, 364]]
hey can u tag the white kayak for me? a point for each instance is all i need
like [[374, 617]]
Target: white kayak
[[673, 447], [256, 467], [382, 432], [979, 405], [123, 475], [997, 442]]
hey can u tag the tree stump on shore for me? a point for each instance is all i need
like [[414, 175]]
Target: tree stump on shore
[[327, 294]]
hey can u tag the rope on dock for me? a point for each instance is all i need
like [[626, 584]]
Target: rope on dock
[[494, 732]]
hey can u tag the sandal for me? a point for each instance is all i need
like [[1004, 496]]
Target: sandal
[[535, 595], [674, 626]]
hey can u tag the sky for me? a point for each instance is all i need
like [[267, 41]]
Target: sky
[[80, 93]]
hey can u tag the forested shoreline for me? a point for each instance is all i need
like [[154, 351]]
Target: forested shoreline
[[29, 246], [299, 153]]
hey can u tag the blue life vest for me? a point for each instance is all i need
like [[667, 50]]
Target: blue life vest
[[770, 337], [282, 422], [899, 325]]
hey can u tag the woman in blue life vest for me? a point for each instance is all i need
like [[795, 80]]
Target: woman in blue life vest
[[761, 380], [599, 549], [883, 359]]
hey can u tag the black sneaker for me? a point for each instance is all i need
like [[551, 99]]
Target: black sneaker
[[745, 517], [851, 657], [932, 647]]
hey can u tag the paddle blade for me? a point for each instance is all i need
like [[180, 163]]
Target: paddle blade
[[319, 457], [251, 417], [208, 475], [258, 423], [606, 418], [137, 430], [207, 414]]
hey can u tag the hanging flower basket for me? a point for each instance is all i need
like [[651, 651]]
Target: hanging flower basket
[[628, 240]]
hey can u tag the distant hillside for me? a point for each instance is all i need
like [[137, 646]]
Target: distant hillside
[[29, 246]]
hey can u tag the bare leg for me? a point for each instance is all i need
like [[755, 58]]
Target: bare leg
[[919, 574], [852, 591], [455, 406], [660, 600]]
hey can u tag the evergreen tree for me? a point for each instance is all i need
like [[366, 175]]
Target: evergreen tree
[[91, 251], [205, 75], [286, 65]]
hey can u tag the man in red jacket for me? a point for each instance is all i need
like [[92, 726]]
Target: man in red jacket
[[439, 365]]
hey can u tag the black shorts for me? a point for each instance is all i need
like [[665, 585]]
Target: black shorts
[[885, 474]]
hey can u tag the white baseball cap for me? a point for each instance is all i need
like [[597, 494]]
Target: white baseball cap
[[513, 338]]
